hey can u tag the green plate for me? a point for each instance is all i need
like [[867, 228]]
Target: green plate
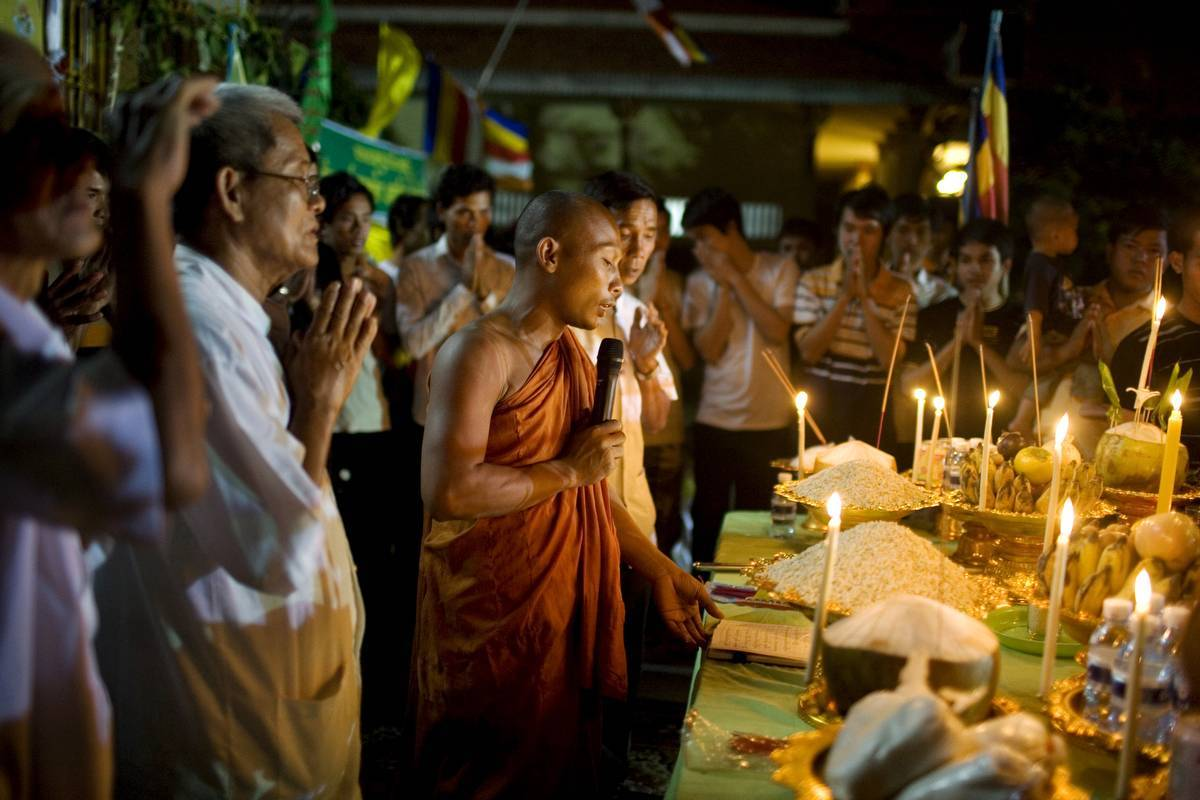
[[1011, 626]]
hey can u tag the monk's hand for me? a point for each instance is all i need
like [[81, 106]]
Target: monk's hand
[[593, 452], [646, 339], [679, 598], [325, 361]]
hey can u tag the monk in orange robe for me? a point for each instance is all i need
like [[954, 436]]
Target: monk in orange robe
[[519, 611]]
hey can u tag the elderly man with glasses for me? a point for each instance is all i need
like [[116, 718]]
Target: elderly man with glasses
[[232, 651]]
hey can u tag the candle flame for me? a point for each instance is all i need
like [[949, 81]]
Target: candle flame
[[801, 400], [939, 403], [993, 399], [833, 507], [919, 394], [1060, 430], [1141, 592], [1066, 521], [1160, 309], [1177, 400]]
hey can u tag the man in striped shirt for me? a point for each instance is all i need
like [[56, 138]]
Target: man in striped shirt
[[847, 314]]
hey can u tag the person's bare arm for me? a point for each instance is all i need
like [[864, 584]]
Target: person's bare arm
[[770, 323], [679, 596], [713, 336], [470, 376], [647, 338], [656, 405], [677, 339], [324, 366], [152, 335]]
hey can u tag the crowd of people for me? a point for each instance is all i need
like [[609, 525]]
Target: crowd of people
[[229, 438]]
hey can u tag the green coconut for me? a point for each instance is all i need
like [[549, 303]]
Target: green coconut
[[1130, 456], [866, 652]]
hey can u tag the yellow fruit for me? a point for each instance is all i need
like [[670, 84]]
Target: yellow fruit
[[1035, 463]]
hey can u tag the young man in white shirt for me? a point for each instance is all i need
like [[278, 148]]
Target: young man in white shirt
[[738, 304], [248, 618]]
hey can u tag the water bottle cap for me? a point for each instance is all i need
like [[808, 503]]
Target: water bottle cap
[[1117, 608], [1176, 616]]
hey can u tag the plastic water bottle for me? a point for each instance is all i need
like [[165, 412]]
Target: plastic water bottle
[[1156, 695], [1107, 639], [783, 512], [1175, 619]]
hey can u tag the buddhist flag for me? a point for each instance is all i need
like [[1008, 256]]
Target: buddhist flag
[[318, 88], [506, 152], [396, 68], [987, 187], [678, 42], [447, 116]]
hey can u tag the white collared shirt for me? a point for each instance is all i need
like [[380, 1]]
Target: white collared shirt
[[94, 419], [432, 302]]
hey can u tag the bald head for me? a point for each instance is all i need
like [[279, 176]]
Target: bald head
[[556, 215]]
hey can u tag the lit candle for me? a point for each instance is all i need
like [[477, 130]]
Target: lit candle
[[920, 395], [1160, 309], [1060, 435], [1166, 481], [939, 405], [833, 506], [1133, 683], [1050, 645], [986, 461], [801, 402]]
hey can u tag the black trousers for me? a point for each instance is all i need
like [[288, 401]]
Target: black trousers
[[733, 470]]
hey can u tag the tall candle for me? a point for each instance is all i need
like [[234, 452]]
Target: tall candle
[[801, 402], [1050, 646], [986, 462], [920, 395], [1133, 684], [1166, 481], [833, 506], [1060, 435], [1160, 308], [939, 404]]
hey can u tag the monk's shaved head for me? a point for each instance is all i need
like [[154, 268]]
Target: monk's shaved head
[[556, 215]]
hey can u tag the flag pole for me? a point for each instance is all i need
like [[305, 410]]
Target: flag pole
[[485, 77]]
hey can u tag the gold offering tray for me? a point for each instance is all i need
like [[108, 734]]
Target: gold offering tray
[[1014, 524], [1065, 706], [1135, 505], [816, 708], [851, 514], [802, 765], [989, 594]]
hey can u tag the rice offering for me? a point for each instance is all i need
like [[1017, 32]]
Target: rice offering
[[863, 484], [875, 561]]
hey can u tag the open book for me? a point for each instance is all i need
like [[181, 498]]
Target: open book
[[783, 645]]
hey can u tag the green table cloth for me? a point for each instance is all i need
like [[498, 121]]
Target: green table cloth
[[756, 698]]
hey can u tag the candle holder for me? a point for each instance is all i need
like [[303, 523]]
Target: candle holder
[[1134, 505]]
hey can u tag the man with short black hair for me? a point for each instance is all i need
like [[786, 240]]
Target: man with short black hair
[[408, 230], [456, 279], [908, 245], [737, 305], [800, 239], [847, 315]]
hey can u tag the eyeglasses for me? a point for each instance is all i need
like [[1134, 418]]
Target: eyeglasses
[[312, 184]]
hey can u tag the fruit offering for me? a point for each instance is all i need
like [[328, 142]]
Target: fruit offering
[[1104, 562], [1019, 477]]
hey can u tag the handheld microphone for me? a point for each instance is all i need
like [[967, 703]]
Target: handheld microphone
[[608, 373]]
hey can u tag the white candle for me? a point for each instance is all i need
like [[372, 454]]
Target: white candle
[[801, 402], [939, 404], [920, 395], [833, 506], [1060, 435], [1160, 309], [1133, 684], [986, 462], [1050, 646], [1166, 478]]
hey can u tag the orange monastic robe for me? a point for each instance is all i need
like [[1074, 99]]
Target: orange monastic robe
[[519, 617]]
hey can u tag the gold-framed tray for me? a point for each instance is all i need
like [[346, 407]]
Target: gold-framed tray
[[989, 593], [854, 515], [1065, 706], [802, 764], [816, 707], [1013, 523], [1135, 505]]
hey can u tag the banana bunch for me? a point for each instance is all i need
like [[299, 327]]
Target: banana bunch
[[1079, 482], [1009, 490]]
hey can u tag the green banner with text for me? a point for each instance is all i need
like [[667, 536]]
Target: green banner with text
[[386, 169]]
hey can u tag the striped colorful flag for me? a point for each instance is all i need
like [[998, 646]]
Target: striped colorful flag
[[679, 43], [987, 185], [447, 116], [506, 152]]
